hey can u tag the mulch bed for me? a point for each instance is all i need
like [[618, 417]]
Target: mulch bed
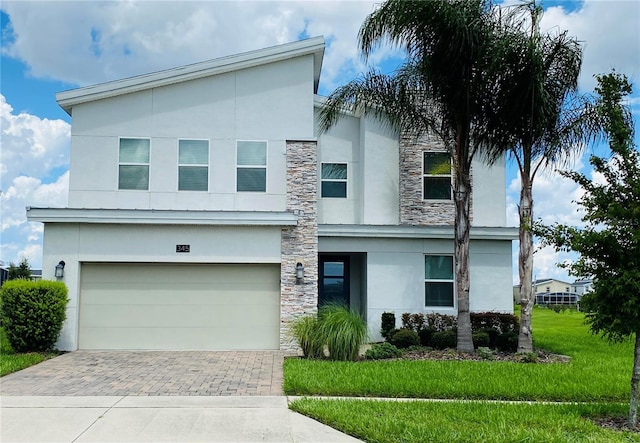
[[540, 356], [615, 424]]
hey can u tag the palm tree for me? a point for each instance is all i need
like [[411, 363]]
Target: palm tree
[[542, 121], [442, 88]]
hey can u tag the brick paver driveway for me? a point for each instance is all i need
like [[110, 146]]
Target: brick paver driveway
[[151, 373]]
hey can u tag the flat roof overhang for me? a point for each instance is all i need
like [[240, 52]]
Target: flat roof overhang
[[161, 217]]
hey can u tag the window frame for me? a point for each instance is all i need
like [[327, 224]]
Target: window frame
[[265, 166], [426, 176], [452, 280], [147, 164], [193, 165], [335, 180]]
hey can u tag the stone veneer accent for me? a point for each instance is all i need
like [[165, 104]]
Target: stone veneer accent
[[413, 209], [299, 243]]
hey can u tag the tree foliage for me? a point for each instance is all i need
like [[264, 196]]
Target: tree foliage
[[609, 244], [21, 271]]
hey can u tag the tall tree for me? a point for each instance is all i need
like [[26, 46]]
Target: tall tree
[[541, 120], [609, 245], [441, 88]]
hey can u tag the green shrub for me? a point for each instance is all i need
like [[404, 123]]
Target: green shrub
[[414, 322], [387, 323], [343, 330], [507, 342], [405, 338], [501, 322], [305, 331], [485, 353], [527, 357], [480, 339], [381, 351], [33, 313], [441, 322], [493, 336], [444, 339], [392, 333], [425, 336]]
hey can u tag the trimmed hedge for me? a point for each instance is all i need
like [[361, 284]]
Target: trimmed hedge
[[404, 338], [33, 313], [381, 351]]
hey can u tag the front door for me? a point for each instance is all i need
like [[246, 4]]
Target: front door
[[334, 280]]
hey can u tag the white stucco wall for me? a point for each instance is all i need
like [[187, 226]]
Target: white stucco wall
[[395, 275], [271, 102], [371, 154], [78, 243], [489, 194]]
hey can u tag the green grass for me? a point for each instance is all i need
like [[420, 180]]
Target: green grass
[[390, 421], [598, 371], [12, 362]]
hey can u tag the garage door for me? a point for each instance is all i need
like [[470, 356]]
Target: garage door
[[179, 307]]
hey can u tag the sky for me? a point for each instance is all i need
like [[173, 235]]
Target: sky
[[52, 46]]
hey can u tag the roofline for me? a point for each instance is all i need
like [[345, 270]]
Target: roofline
[[312, 46]]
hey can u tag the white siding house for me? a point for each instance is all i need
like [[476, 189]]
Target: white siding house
[[195, 192]]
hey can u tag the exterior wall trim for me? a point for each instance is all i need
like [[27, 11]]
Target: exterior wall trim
[[161, 217], [431, 232]]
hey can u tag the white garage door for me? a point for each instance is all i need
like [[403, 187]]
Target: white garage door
[[179, 306]]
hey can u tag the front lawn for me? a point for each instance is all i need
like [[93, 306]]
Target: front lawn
[[598, 372], [12, 362], [416, 421]]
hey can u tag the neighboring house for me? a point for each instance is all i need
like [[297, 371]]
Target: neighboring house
[[550, 291], [195, 194]]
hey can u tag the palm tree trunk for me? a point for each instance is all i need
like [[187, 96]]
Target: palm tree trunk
[[635, 379], [525, 264], [462, 191]]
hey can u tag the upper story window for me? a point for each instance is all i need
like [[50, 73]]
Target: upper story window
[[438, 281], [251, 173], [436, 176], [334, 180], [193, 165], [133, 164]]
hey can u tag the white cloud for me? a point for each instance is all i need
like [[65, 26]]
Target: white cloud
[[31, 146], [104, 41], [32, 149], [610, 34]]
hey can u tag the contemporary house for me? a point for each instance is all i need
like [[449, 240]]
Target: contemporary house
[[206, 212], [552, 291]]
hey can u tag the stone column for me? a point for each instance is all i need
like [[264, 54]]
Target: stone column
[[299, 243]]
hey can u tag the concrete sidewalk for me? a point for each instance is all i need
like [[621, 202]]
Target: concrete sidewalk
[[157, 419]]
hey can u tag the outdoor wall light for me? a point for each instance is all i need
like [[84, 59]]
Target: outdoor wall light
[[60, 269], [299, 273]]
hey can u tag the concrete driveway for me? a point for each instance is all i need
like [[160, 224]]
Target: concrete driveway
[[104, 396], [179, 373]]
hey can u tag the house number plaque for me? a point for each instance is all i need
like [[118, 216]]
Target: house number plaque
[[183, 248]]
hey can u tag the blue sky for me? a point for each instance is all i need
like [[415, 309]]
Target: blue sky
[[48, 47]]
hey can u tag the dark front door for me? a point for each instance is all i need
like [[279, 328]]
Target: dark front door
[[334, 280]]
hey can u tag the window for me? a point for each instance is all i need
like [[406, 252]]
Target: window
[[334, 180], [436, 176], [133, 164], [251, 175], [438, 280], [193, 165]]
